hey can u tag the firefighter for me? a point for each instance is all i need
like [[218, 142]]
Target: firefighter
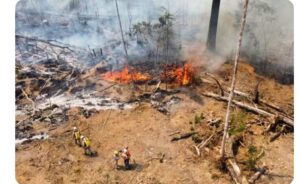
[[125, 153], [86, 144], [76, 136], [116, 158]]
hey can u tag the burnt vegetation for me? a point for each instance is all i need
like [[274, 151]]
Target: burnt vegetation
[[146, 73]]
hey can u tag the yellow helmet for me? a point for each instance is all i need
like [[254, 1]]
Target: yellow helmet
[[116, 152]]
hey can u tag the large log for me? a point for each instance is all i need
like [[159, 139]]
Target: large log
[[245, 106]]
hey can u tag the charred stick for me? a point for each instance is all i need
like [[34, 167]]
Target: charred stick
[[274, 137], [218, 83]]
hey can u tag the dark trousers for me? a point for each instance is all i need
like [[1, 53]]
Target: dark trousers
[[126, 163]]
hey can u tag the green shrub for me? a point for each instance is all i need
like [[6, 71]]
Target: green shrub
[[253, 158], [199, 119], [238, 123]]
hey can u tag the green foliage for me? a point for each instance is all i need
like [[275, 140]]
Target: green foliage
[[159, 37], [199, 119], [252, 150], [253, 157], [238, 123]]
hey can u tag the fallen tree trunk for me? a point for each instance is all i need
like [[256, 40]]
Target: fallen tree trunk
[[261, 101], [257, 175], [183, 136], [242, 94], [286, 120], [231, 163]]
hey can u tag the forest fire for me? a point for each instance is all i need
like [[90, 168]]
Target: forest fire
[[180, 75], [171, 74], [124, 76]]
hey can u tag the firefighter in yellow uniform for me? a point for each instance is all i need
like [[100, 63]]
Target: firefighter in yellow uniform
[[76, 135], [86, 144]]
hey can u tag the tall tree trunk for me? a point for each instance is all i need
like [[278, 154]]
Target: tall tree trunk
[[213, 25], [225, 134], [120, 24]]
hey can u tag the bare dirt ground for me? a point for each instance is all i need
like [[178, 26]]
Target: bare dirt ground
[[148, 134]]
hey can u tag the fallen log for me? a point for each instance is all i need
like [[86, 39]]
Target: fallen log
[[245, 106], [261, 101], [257, 175], [183, 136], [231, 163], [243, 94], [274, 137]]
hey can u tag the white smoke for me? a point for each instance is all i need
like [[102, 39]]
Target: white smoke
[[269, 32]]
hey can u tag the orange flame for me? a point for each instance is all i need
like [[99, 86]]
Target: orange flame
[[180, 75], [125, 77]]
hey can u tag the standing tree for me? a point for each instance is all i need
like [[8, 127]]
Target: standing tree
[[233, 82], [121, 30], [213, 25]]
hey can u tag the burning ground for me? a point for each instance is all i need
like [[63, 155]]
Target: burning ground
[[148, 115], [150, 86]]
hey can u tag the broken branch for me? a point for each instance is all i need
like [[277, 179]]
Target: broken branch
[[183, 136]]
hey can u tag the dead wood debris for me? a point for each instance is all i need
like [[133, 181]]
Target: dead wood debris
[[257, 175], [231, 164], [183, 136], [256, 99], [247, 107], [218, 83], [274, 137]]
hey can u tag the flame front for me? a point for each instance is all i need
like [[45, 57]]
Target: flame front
[[172, 74], [182, 75], [124, 76]]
